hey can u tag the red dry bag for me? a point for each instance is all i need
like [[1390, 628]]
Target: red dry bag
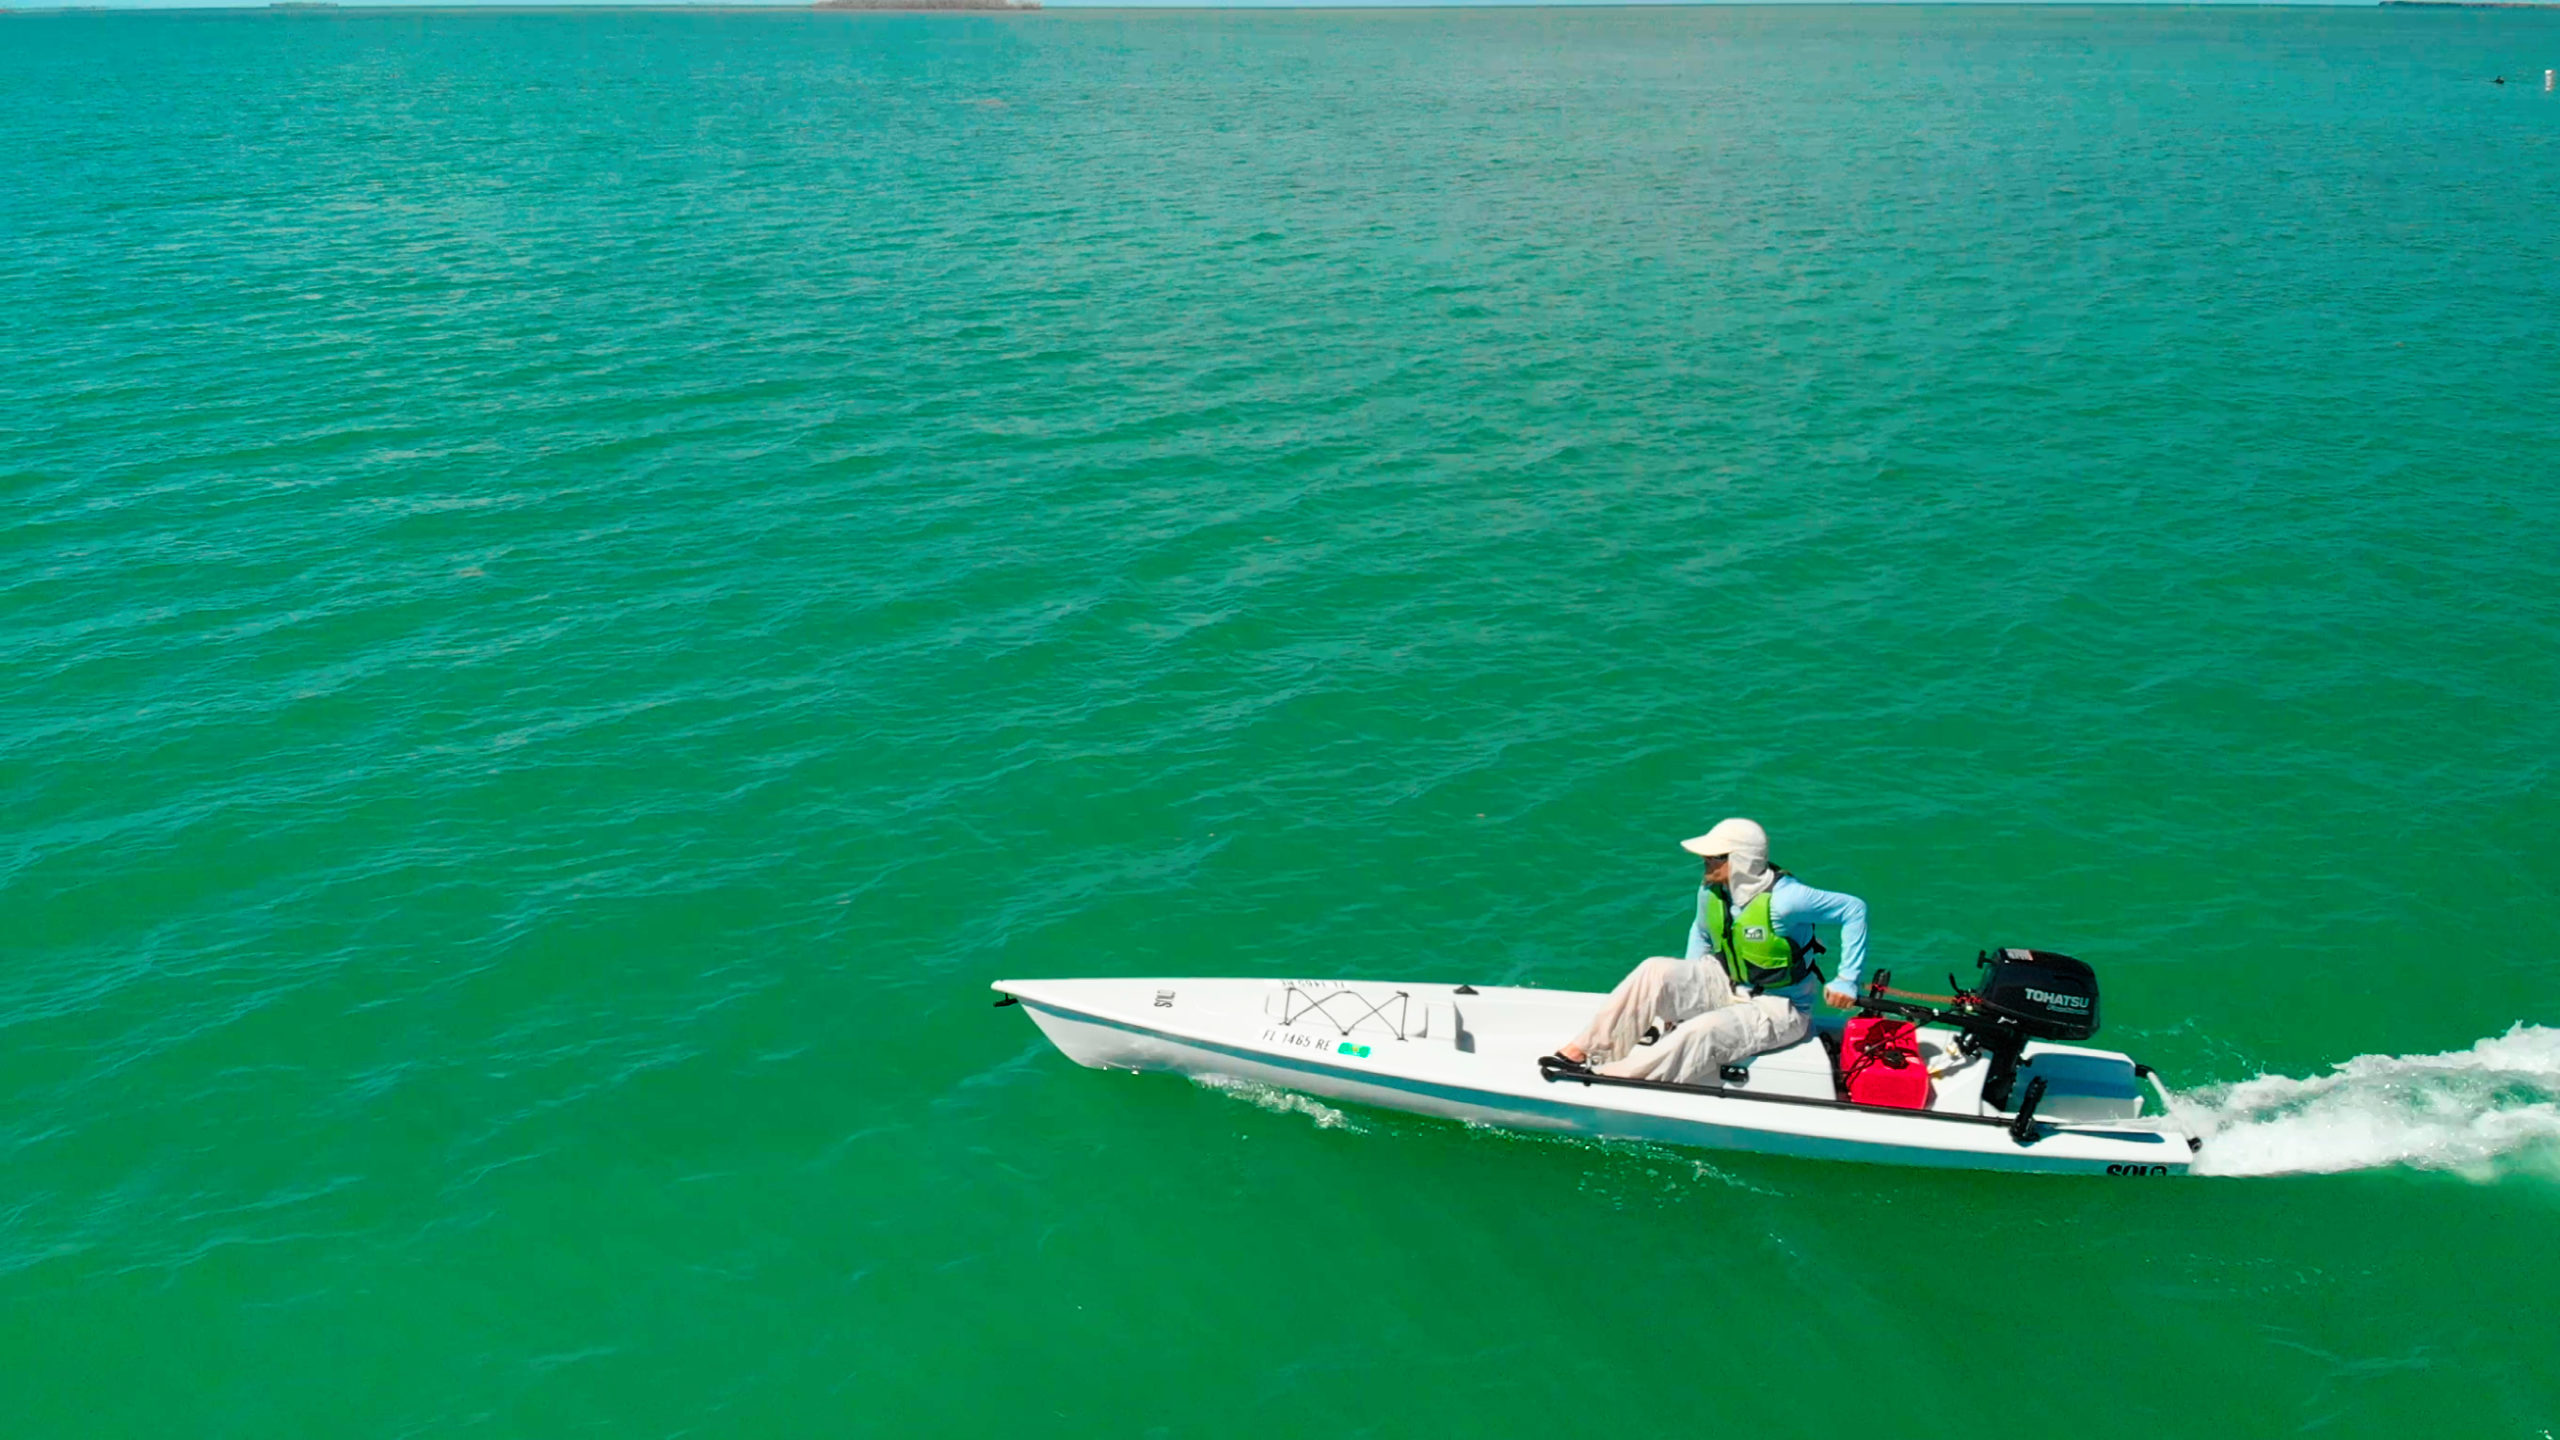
[[1880, 1064]]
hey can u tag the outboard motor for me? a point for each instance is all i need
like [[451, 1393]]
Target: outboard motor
[[2026, 995], [2022, 995], [2049, 996]]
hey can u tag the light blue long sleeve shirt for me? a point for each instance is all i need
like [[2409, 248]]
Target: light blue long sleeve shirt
[[1795, 908]]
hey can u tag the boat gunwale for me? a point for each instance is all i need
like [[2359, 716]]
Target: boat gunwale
[[2043, 1128]]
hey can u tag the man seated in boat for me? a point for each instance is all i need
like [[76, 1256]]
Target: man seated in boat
[[1747, 984]]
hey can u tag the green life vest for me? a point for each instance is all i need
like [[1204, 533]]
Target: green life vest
[[1753, 949]]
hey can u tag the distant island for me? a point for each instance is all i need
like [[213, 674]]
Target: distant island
[[926, 5]]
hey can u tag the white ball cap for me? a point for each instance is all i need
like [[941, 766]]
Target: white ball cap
[[1728, 836]]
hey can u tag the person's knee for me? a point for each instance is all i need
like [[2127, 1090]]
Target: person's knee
[[1658, 978]]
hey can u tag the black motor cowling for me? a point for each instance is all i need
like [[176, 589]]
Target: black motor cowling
[[2049, 996]]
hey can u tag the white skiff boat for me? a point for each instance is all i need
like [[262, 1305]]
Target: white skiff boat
[[1470, 1053]]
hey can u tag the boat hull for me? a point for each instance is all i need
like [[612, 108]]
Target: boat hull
[[1498, 1084]]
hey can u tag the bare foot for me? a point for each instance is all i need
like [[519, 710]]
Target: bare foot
[[1574, 1053]]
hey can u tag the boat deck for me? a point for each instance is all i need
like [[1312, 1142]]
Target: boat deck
[[1470, 1052]]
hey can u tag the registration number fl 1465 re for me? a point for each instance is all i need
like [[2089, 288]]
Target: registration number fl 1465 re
[[1332, 1045]]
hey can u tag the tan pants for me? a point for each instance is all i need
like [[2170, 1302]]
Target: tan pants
[[1704, 1025]]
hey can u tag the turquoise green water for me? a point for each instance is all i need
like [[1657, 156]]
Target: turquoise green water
[[575, 585]]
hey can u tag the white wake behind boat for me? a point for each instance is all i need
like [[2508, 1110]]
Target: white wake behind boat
[[1470, 1053]]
